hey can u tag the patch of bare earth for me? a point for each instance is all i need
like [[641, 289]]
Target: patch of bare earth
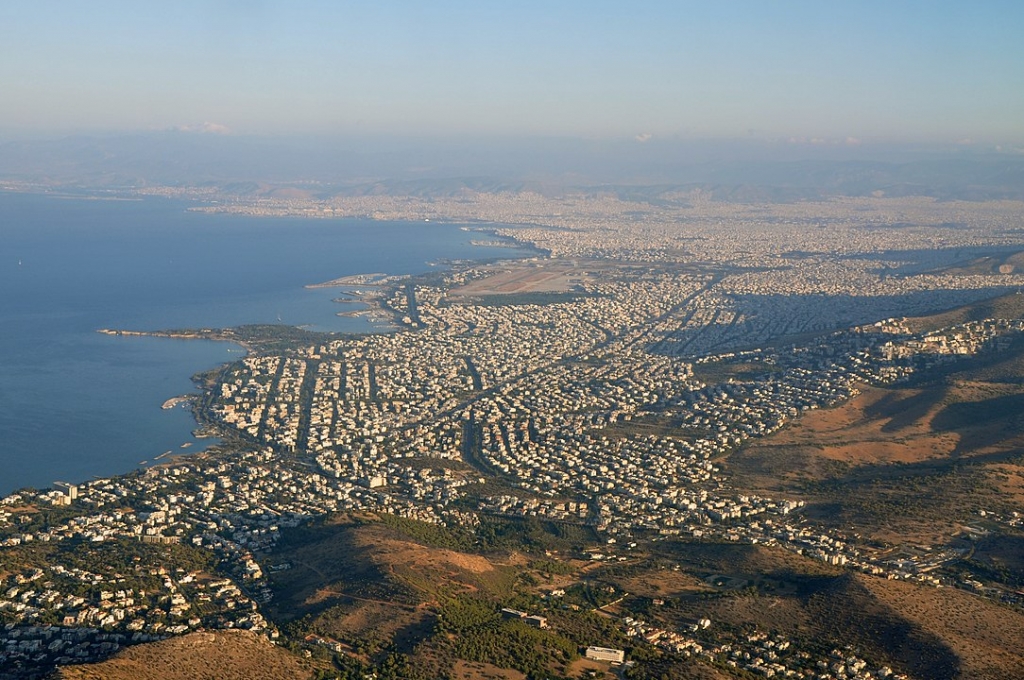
[[467, 670], [433, 558], [877, 426], [660, 583]]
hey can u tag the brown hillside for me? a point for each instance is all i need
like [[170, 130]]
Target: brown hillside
[[224, 655], [987, 638], [371, 563], [1004, 307], [927, 632], [909, 461]]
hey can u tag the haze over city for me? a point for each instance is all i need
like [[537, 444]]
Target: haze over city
[[841, 73]]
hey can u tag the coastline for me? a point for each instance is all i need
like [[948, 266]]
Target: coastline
[[177, 401], [187, 401], [374, 279], [113, 370], [218, 335]]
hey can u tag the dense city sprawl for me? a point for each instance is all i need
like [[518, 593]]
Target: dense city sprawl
[[590, 405]]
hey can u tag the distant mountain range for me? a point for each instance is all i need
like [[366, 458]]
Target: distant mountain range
[[727, 170]]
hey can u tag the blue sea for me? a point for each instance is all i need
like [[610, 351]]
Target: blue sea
[[75, 404]]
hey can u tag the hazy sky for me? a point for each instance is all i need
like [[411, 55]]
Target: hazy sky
[[896, 69]]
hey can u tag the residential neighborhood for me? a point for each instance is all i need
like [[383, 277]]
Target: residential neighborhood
[[610, 402]]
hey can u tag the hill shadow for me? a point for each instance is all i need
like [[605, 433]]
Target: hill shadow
[[775, 319]]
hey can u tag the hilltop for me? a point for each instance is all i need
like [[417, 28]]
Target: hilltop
[[221, 655]]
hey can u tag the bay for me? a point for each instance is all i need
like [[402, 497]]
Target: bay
[[76, 404]]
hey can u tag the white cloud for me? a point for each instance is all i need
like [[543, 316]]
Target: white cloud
[[206, 128]]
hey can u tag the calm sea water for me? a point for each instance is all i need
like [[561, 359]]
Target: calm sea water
[[76, 404]]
